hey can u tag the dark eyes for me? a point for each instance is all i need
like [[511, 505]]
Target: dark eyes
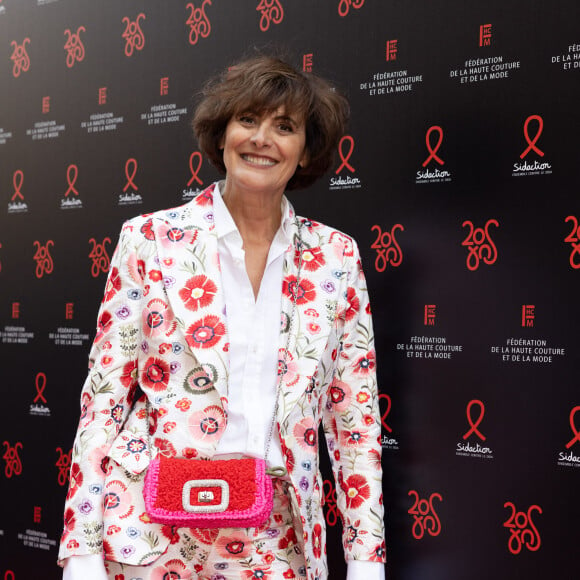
[[282, 125]]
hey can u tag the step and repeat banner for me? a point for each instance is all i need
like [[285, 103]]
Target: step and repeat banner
[[458, 177]]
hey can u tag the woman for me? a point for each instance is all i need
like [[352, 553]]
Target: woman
[[231, 327]]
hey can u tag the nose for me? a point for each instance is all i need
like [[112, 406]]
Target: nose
[[261, 135]]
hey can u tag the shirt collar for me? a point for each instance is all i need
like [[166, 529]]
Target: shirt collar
[[225, 225]]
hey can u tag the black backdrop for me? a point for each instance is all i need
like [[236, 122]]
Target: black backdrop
[[458, 178]]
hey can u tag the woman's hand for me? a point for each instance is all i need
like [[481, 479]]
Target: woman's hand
[[89, 567]]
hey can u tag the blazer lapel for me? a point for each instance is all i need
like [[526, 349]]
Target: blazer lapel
[[193, 284], [305, 326]]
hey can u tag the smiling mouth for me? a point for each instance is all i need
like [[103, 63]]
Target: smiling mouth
[[266, 161]]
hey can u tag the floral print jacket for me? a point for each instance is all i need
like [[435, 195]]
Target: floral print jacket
[[158, 385]]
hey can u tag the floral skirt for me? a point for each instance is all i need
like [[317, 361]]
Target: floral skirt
[[273, 551]]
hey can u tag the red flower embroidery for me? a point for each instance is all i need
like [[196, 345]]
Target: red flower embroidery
[[312, 259], [155, 375], [353, 304], [365, 364], [129, 375], [155, 275], [357, 490], [198, 292], [113, 284], [147, 230], [165, 447], [206, 332], [303, 291], [103, 325], [317, 540]]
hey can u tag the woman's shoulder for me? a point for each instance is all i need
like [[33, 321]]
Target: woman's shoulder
[[317, 233], [177, 216]]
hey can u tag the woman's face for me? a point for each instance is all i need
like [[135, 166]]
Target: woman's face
[[262, 150]]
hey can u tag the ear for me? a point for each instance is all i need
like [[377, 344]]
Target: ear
[[304, 160]]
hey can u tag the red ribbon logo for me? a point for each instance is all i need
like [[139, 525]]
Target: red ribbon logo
[[272, 11], [63, 463], [194, 172], [9, 575], [344, 6], [433, 150], [72, 172], [532, 142], [522, 529], [475, 425], [386, 413], [74, 46], [13, 462], [426, 519], [20, 57], [198, 22], [344, 158], [17, 180], [40, 387], [44, 263], [133, 35], [576, 431], [131, 165], [100, 257], [480, 245]]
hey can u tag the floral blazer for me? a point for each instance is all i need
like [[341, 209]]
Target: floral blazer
[[159, 374]]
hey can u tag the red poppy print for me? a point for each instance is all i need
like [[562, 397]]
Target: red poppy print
[[113, 284], [129, 374], [155, 374], [207, 424], [206, 332], [303, 291], [305, 434], [356, 489], [288, 457], [157, 319], [234, 546], [103, 325], [198, 292], [353, 437], [340, 395], [312, 259], [172, 236], [174, 569], [118, 500], [317, 540], [147, 230], [365, 364], [353, 304], [165, 447], [76, 480], [69, 521]]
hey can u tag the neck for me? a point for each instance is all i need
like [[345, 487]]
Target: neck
[[257, 215]]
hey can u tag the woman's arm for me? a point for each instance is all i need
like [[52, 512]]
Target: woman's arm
[[106, 397], [353, 428]]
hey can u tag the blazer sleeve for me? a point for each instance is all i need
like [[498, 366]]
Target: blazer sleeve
[[353, 429], [106, 398]]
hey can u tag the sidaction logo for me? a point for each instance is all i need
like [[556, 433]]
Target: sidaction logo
[[467, 449], [433, 175], [568, 458], [345, 151], [534, 167]]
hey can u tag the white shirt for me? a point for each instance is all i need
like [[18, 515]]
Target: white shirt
[[254, 335]]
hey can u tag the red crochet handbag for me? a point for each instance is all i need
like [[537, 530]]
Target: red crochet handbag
[[208, 494]]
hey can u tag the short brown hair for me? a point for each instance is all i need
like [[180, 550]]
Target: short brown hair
[[263, 84]]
